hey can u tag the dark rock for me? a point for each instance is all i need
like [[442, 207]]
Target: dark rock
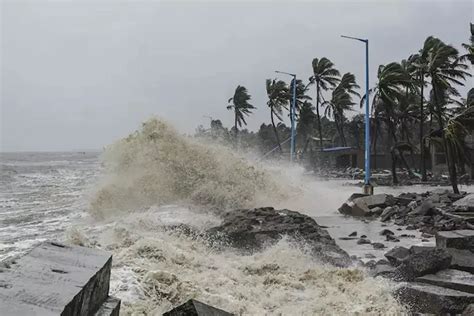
[[392, 238], [347, 238], [396, 255], [196, 308], [378, 245], [425, 240], [370, 264], [410, 227], [363, 236], [387, 213], [384, 270], [383, 261], [425, 235], [386, 232], [370, 256], [353, 234], [424, 209], [468, 311], [424, 262], [253, 229], [425, 298], [459, 239], [363, 241], [376, 211], [450, 278]]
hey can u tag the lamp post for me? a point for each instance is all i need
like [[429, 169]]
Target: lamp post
[[292, 115], [368, 188]]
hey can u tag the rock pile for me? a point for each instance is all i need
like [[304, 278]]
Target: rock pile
[[430, 212], [252, 229]]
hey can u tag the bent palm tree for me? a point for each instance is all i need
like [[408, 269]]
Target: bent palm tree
[[469, 47], [241, 106], [277, 92], [325, 76], [341, 101], [445, 69]]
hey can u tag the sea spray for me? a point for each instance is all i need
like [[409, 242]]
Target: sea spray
[[156, 268], [156, 166]]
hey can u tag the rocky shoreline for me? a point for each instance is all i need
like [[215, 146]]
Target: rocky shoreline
[[438, 279]]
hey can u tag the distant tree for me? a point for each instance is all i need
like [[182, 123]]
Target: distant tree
[[325, 76], [239, 103], [277, 93], [306, 124]]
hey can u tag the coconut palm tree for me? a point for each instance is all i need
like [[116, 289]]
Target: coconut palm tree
[[277, 92], [387, 94], [469, 47], [341, 101], [445, 70], [325, 76], [239, 103]]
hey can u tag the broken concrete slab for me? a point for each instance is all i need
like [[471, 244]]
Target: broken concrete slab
[[459, 239], [54, 279], [426, 298], [450, 278], [462, 259], [468, 311], [466, 202], [196, 308], [425, 262]]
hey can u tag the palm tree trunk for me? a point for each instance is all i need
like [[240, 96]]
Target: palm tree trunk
[[319, 117], [447, 147], [375, 142], [235, 126], [394, 166], [275, 131], [422, 142]]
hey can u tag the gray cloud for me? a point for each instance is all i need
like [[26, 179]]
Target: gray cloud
[[78, 75]]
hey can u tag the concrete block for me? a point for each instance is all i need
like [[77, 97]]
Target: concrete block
[[426, 298], [196, 308], [111, 307], [452, 279], [459, 239], [56, 279]]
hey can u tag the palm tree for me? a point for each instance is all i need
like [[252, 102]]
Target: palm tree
[[241, 106], [325, 76], [387, 93], [341, 101], [445, 69], [469, 47], [277, 92]]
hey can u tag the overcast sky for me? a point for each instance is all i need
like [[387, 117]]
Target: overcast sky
[[79, 74]]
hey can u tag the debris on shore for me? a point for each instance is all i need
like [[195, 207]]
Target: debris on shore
[[440, 279]]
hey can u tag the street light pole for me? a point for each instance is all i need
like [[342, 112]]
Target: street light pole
[[292, 115], [368, 188]]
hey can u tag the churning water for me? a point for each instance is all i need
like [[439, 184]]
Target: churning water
[[127, 200]]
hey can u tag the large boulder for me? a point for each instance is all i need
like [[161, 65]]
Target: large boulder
[[422, 263], [253, 229], [427, 298]]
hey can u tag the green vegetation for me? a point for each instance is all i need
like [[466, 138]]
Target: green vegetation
[[415, 103]]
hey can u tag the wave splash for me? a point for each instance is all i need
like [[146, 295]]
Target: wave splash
[[157, 166]]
